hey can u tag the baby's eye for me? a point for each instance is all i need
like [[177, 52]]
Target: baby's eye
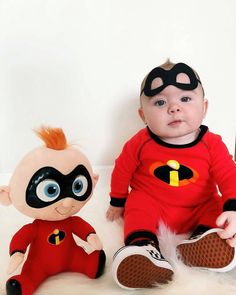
[[160, 102], [185, 99]]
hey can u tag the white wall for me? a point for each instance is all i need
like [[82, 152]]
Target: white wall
[[78, 64]]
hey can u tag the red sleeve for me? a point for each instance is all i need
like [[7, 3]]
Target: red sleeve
[[81, 228], [22, 239], [223, 169], [125, 165]]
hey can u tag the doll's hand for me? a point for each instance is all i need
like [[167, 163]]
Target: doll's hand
[[227, 221], [94, 241], [15, 261], [114, 213]]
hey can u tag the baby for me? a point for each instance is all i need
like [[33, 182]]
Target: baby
[[169, 172]]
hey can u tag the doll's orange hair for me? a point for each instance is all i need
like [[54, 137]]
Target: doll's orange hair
[[54, 138]]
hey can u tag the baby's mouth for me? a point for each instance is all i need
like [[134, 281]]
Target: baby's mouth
[[175, 122]]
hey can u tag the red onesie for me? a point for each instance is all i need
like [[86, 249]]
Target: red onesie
[[53, 250], [176, 184]]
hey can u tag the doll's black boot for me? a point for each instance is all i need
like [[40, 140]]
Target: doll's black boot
[[101, 264], [13, 287]]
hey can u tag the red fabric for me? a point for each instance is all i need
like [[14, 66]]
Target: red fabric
[[182, 207], [47, 258]]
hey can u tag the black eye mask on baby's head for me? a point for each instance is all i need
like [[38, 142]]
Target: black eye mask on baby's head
[[170, 77]]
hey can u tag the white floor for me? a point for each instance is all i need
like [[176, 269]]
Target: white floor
[[187, 281]]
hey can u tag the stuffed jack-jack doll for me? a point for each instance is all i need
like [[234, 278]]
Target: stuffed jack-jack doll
[[51, 184]]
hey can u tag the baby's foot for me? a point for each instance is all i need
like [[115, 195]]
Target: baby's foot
[[140, 265], [208, 251]]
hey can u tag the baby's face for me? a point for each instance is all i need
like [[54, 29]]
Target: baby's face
[[174, 114]]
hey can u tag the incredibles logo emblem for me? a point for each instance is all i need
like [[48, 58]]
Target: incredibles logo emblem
[[56, 237], [174, 173]]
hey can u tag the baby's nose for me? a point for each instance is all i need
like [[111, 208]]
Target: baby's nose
[[174, 108]]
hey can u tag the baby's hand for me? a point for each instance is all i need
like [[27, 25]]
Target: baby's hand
[[227, 221], [114, 213]]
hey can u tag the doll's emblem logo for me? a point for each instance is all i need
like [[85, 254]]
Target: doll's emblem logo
[[56, 237], [173, 173]]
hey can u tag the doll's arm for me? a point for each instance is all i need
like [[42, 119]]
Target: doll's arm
[[18, 246], [94, 241], [227, 221], [22, 239], [86, 232], [15, 261]]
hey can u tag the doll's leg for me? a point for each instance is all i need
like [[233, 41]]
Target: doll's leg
[[27, 282], [140, 263], [91, 265], [204, 248]]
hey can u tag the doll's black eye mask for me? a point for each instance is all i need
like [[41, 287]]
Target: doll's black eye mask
[[48, 185], [169, 77]]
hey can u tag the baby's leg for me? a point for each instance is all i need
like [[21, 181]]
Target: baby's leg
[[205, 249], [141, 217], [140, 263]]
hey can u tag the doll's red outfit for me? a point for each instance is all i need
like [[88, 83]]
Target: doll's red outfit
[[175, 184], [53, 250]]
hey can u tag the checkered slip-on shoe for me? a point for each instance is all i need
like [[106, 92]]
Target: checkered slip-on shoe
[[140, 266], [208, 251]]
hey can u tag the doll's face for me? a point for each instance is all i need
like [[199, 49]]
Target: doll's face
[[52, 184]]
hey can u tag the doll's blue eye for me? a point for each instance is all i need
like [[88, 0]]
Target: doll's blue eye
[[51, 190], [80, 185], [48, 190]]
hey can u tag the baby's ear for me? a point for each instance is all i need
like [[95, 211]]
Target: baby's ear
[[5, 195], [95, 178]]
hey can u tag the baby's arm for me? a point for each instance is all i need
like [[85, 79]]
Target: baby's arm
[[227, 221], [223, 171], [114, 213]]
